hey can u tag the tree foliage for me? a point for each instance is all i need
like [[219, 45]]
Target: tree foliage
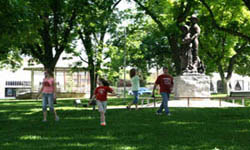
[[44, 29]]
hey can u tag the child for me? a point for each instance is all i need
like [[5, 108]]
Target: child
[[135, 80], [100, 95], [48, 91]]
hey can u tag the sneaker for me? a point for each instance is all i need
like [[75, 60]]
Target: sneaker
[[157, 113], [103, 124], [44, 120], [57, 118], [128, 107]]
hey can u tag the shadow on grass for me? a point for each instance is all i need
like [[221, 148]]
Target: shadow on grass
[[187, 129]]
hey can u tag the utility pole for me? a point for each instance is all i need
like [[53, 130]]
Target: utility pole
[[124, 66]]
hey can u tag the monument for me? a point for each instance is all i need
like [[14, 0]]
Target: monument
[[192, 82]]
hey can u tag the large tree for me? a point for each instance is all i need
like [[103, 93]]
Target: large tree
[[94, 26], [169, 16], [10, 32], [226, 37], [237, 25], [45, 28], [228, 30]]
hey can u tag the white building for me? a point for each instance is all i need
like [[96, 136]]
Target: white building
[[29, 79], [236, 83], [13, 82]]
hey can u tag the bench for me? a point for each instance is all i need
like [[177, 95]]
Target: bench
[[240, 94], [148, 99], [77, 103], [219, 99]]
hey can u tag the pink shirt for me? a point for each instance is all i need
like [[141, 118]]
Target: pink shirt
[[48, 85]]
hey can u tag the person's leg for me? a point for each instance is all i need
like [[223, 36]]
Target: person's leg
[[136, 98], [165, 97], [131, 103], [44, 106], [102, 119], [104, 105], [135, 101], [101, 110], [51, 106], [159, 111]]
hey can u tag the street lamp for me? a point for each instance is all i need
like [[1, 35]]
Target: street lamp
[[124, 66]]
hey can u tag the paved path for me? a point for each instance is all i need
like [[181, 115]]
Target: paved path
[[183, 103], [201, 103]]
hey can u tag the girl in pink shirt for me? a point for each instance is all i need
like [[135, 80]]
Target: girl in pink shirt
[[48, 91]]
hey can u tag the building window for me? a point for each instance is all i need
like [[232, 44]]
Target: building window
[[18, 83], [239, 85], [10, 92], [211, 86], [220, 87]]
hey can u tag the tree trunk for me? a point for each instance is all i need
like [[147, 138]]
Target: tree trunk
[[175, 53], [92, 81], [224, 80], [225, 86]]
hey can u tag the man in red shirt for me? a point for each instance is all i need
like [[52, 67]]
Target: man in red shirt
[[165, 81]]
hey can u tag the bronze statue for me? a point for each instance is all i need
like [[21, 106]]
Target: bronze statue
[[186, 54], [195, 32], [190, 61]]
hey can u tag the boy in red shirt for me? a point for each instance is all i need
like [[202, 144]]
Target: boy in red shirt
[[166, 83], [100, 95]]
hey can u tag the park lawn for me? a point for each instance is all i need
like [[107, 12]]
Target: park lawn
[[21, 128]]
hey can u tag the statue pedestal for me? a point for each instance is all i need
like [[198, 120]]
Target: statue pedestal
[[192, 85]]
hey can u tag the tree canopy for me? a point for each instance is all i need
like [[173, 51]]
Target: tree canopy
[[44, 29]]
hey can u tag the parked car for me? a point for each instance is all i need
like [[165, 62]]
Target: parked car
[[142, 91]]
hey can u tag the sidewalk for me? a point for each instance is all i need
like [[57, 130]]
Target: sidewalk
[[201, 103], [184, 103]]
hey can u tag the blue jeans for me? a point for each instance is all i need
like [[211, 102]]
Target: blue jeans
[[164, 103], [136, 95], [48, 99]]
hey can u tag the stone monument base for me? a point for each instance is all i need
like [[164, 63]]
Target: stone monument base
[[195, 86]]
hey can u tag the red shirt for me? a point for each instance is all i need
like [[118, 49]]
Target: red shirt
[[166, 83], [101, 92]]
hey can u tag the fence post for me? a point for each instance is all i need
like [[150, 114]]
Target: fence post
[[243, 101], [188, 101], [142, 102], [154, 102]]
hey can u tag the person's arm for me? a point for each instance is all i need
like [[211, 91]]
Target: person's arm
[[112, 92], [187, 39], [94, 95], [54, 86], [153, 92], [91, 99], [39, 93], [172, 85], [197, 32]]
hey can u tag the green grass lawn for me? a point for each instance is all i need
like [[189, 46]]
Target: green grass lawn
[[21, 128]]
